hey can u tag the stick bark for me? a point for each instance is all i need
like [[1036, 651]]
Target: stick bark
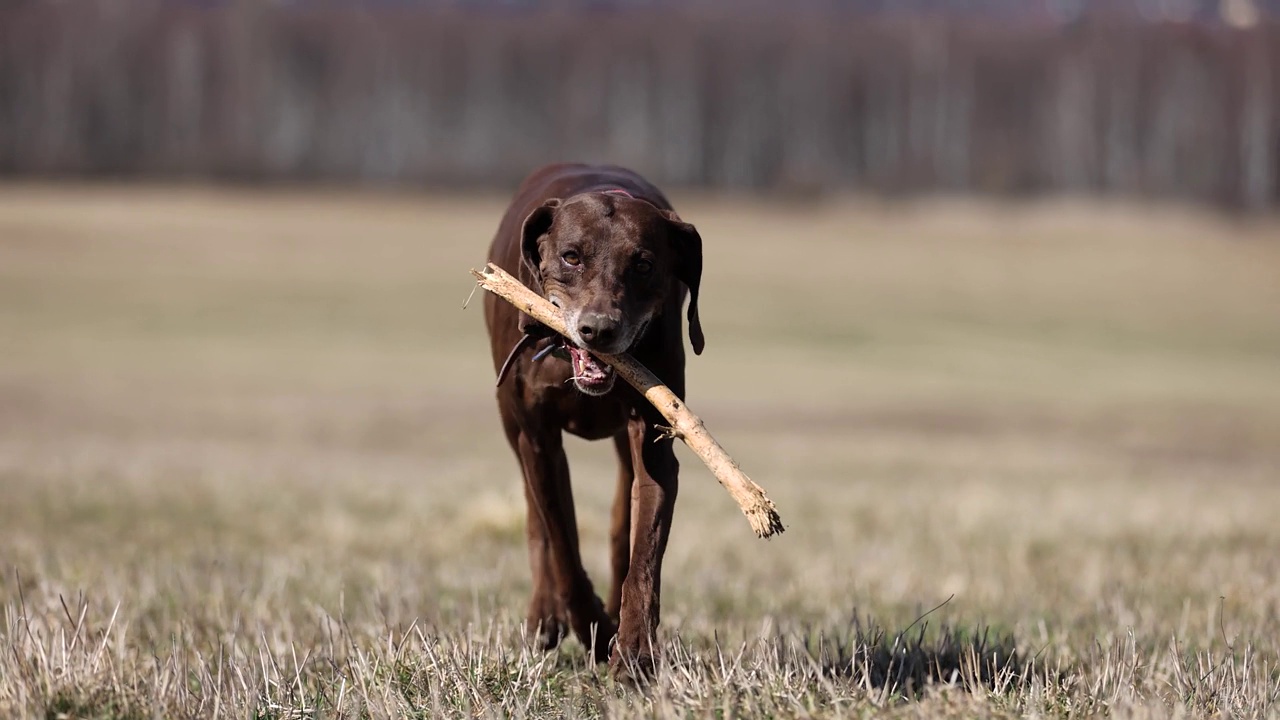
[[751, 498]]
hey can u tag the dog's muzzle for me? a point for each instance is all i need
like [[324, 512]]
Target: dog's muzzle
[[591, 375]]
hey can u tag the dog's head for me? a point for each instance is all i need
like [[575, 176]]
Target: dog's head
[[610, 262]]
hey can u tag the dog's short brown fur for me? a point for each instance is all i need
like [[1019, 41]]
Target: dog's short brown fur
[[605, 246]]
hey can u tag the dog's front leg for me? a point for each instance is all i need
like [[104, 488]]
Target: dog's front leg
[[553, 534], [620, 523], [653, 499]]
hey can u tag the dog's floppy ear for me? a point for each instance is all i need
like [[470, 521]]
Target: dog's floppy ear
[[687, 244], [535, 226]]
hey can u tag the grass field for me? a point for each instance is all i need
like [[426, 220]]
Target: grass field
[[250, 464]]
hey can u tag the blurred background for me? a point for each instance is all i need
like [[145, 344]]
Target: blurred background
[[1150, 98], [991, 298]]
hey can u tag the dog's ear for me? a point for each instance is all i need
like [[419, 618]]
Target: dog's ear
[[535, 226], [687, 244]]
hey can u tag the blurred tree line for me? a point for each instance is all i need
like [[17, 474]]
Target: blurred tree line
[[814, 97]]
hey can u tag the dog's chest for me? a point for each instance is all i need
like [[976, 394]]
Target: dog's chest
[[588, 417]]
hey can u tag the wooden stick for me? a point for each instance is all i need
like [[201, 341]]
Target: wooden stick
[[759, 509]]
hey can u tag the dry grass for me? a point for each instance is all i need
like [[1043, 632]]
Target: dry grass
[[250, 467]]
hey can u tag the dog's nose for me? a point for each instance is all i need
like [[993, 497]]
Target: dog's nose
[[597, 329]]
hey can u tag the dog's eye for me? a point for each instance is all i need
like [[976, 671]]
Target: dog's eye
[[571, 257], [643, 267]]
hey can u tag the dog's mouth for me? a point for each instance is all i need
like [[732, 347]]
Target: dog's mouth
[[590, 375]]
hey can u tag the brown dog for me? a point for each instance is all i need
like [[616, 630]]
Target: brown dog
[[604, 246]]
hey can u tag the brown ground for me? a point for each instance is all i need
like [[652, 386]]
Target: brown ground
[[249, 463]]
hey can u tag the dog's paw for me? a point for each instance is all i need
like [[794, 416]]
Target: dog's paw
[[632, 666], [546, 623], [635, 654], [602, 639], [593, 625], [546, 632]]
